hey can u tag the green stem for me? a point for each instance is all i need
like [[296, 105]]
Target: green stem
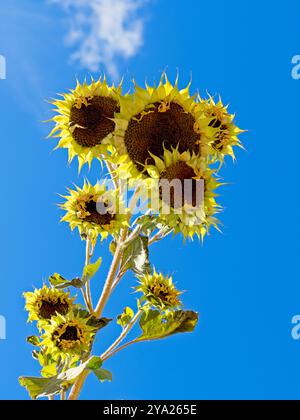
[[75, 391], [122, 336], [115, 351], [112, 171], [159, 235], [88, 255], [110, 279], [107, 289]]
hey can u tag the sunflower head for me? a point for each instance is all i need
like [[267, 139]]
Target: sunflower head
[[223, 129], [159, 291], [185, 187], [45, 303], [85, 120], [94, 210], [154, 119], [67, 336]]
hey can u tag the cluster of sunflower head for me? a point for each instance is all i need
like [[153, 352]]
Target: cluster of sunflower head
[[66, 331], [152, 135]]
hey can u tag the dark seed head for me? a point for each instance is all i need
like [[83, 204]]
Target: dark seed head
[[49, 309], [70, 334], [156, 130], [94, 120], [96, 217], [218, 144], [175, 194]]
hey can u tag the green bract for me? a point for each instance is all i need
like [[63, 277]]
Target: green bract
[[159, 291]]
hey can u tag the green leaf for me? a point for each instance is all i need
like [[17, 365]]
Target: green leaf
[[94, 363], [44, 359], [156, 325], [103, 375], [35, 354], [125, 317], [148, 224], [40, 387], [136, 256], [77, 283], [113, 247], [81, 313], [34, 340], [57, 280], [98, 324], [61, 283], [49, 370], [46, 387], [90, 270]]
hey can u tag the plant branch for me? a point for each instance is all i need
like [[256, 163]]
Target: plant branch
[[125, 345], [161, 234], [111, 171], [89, 250], [110, 279], [109, 286], [85, 298], [76, 389], [122, 336]]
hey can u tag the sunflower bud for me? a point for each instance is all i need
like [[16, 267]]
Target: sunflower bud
[[159, 291]]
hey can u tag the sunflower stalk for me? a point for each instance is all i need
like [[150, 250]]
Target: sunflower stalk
[[63, 395], [113, 278], [89, 251]]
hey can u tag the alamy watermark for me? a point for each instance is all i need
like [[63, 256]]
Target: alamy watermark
[[2, 67], [2, 327], [296, 67], [180, 197], [296, 327]]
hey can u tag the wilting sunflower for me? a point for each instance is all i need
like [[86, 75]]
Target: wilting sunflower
[[184, 187], [159, 291], [154, 119], [68, 335], [85, 122], [225, 136], [44, 303], [94, 210]]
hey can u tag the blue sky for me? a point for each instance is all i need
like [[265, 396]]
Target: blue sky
[[245, 282]]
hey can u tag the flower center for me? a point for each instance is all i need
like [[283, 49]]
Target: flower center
[[216, 123], [92, 120], [101, 219], [159, 291], [155, 130], [70, 334], [165, 294], [49, 309], [174, 191]]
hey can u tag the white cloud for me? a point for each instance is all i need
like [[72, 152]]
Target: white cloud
[[102, 31]]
